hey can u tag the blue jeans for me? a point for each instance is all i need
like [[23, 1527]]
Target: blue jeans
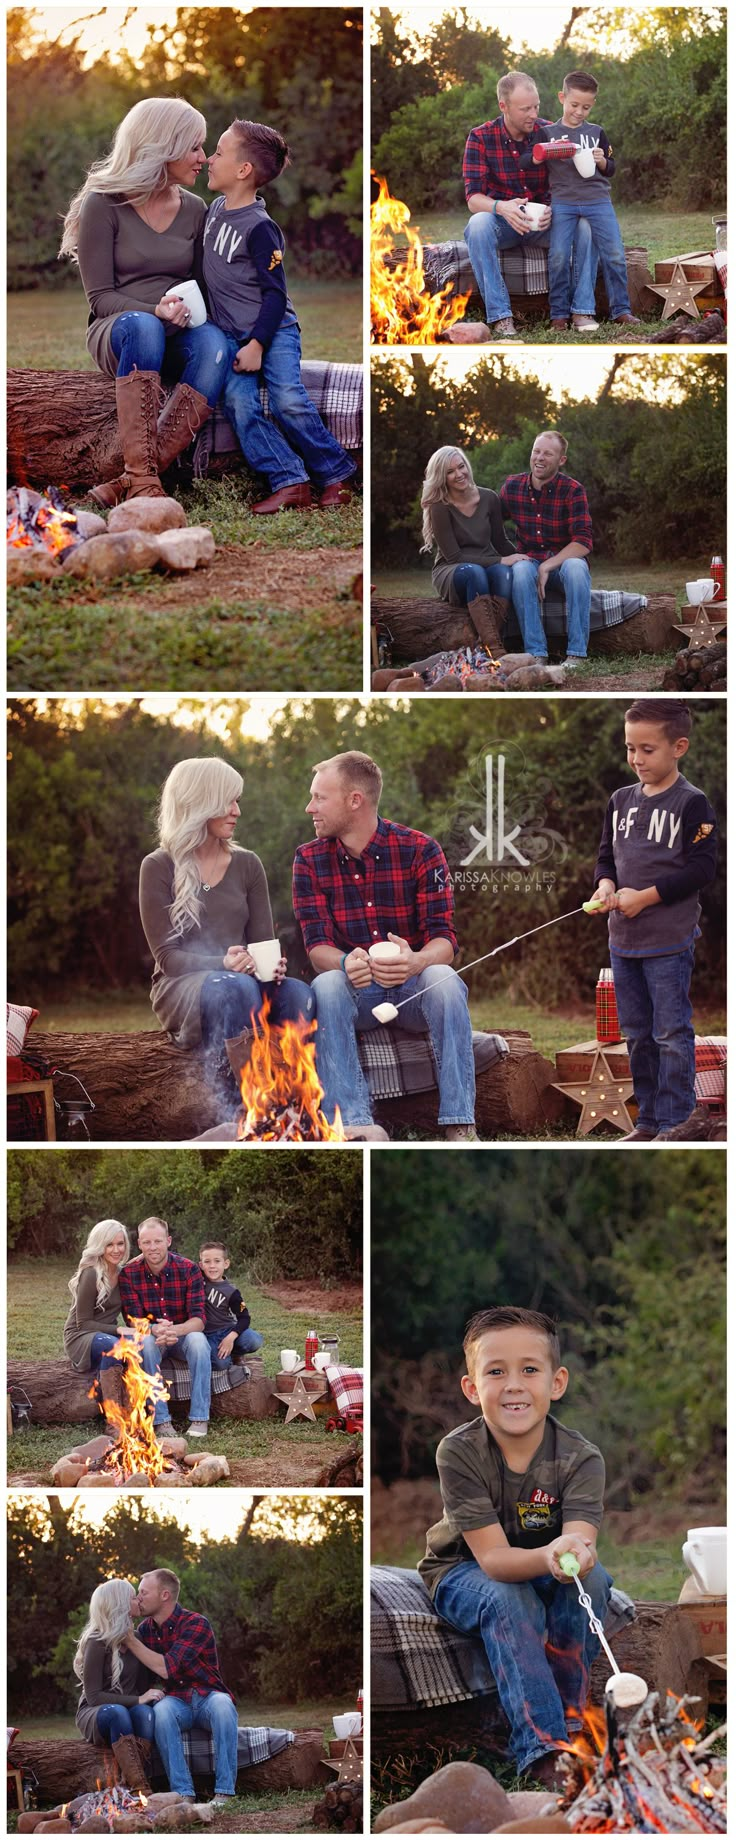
[[600, 215], [193, 1349], [440, 1013], [296, 445], [486, 235], [470, 578], [173, 1716], [228, 1001], [99, 1355], [115, 1722], [246, 1343], [574, 578], [655, 1018], [539, 1644], [197, 355]]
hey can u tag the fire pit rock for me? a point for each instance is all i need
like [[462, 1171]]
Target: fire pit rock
[[24, 565], [120, 1811], [91, 1466], [186, 549], [127, 552], [465, 1796], [151, 514]]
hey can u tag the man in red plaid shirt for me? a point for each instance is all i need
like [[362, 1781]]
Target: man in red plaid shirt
[[363, 880], [169, 1291], [179, 1647], [554, 536], [500, 179]]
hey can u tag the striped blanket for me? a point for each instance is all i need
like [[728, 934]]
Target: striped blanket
[[524, 269], [397, 1064], [337, 393]]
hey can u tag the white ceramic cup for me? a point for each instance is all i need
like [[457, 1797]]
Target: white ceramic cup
[[384, 952], [705, 1555], [534, 212], [289, 1358], [701, 590], [322, 1361], [190, 293], [347, 1724], [266, 954], [584, 162]]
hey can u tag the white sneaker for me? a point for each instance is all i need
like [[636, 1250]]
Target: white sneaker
[[581, 322], [571, 662], [199, 1427], [505, 329]]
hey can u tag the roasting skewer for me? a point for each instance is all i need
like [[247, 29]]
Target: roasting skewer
[[625, 1689], [387, 1012]]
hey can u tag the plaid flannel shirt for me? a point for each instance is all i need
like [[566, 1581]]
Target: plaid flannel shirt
[[400, 884], [187, 1640], [176, 1292], [492, 163], [545, 521]]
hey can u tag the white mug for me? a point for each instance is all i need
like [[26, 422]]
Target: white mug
[[322, 1361], [289, 1358], [534, 212], [701, 590], [190, 293], [347, 1724], [584, 162], [384, 952], [705, 1555], [266, 954]]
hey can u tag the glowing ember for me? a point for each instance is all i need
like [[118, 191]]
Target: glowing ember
[[280, 1088], [403, 312], [40, 523], [137, 1450], [642, 1779]]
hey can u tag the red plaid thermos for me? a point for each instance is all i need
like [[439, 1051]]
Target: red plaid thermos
[[606, 1014], [718, 575], [359, 1704], [310, 1349]]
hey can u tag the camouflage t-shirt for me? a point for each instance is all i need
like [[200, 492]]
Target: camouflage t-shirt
[[564, 1482]]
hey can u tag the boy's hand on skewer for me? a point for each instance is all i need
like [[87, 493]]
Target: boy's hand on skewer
[[249, 357], [399, 969], [569, 1543], [605, 896]]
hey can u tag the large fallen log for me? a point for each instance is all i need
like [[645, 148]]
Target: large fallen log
[[420, 627], [66, 1767], [60, 1396], [144, 1089], [662, 1645]]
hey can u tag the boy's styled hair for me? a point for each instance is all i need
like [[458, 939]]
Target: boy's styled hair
[[214, 1245], [672, 715], [264, 147], [507, 1316], [580, 79]]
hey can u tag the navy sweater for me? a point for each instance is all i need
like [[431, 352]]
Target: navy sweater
[[668, 842]]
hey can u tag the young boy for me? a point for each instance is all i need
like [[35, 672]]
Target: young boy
[[227, 1321], [657, 851], [575, 197], [244, 275], [519, 1489]]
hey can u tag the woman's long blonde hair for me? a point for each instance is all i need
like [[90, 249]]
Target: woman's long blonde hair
[[94, 1255], [195, 791], [434, 489], [160, 129], [110, 1620]]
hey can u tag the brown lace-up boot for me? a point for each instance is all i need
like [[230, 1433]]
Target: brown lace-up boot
[[487, 613], [184, 413], [130, 1757], [137, 397]]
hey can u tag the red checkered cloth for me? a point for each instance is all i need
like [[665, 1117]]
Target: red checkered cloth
[[711, 1054], [347, 1385]]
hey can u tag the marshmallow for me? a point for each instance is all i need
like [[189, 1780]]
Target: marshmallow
[[385, 1012]]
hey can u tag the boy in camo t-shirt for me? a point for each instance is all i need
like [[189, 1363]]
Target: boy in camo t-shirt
[[518, 1489]]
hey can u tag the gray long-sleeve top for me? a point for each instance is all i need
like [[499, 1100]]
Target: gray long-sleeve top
[[88, 1318], [235, 911], [126, 266], [479, 538], [97, 1690], [668, 842]]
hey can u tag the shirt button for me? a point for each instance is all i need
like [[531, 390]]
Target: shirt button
[[369, 903], [375, 932], [356, 878]]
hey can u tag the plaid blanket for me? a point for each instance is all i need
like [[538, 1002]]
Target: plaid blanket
[[256, 1743], [711, 1053], [419, 1660], [524, 269], [608, 607], [347, 1386], [179, 1380], [337, 393], [397, 1064]]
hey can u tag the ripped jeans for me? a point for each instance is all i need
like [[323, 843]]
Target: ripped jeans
[[196, 355]]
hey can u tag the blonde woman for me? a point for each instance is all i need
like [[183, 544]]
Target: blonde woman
[[463, 523], [135, 231], [90, 1330], [202, 898], [118, 1692]]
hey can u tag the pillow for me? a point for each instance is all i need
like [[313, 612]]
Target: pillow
[[20, 1020]]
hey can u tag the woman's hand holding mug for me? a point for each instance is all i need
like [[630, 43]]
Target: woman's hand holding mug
[[173, 310], [238, 958]]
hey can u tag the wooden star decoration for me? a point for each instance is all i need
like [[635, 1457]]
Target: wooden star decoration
[[678, 293], [703, 630], [349, 1768], [602, 1098], [298, 1402]]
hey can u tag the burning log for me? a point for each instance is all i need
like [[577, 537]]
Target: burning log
[[654, 1775], [60, 1396], [403, 311], [280, 1088], [67, 1767]]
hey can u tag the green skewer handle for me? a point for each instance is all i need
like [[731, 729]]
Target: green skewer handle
[[593, 907], [568, 1563]]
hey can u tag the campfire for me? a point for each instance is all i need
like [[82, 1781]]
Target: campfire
[[131, 1456], [117, 1810], [403, 312], [39, 521], [280, 1088], [653, 1774]]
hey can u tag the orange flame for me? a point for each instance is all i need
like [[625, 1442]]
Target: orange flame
[[137, 1448], [55, 529], [403, 312], [280, 1087]]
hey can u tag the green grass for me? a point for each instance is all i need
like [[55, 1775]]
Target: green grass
[[300, 1715], [37, 1307], [46, 330], [412, 580]]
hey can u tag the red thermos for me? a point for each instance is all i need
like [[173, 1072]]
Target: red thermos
[[607, 1027], [310, 1349], [359, 1704], [718, 575]]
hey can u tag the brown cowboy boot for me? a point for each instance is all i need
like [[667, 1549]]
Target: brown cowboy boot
[[184, 413], [487, 614], [130, 1759], [137, 397]]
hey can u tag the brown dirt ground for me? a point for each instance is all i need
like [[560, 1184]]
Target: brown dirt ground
[[256, 574], [288, 1468], [273, 1821], [294, 1294]]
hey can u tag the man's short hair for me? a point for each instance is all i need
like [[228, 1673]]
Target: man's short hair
[[672, 715], [580, 79], [506, 1316], [544, 434], [514, 79], [214, 1245], [264, 147], [152, 1220], [167, 1581], [357, 770]]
